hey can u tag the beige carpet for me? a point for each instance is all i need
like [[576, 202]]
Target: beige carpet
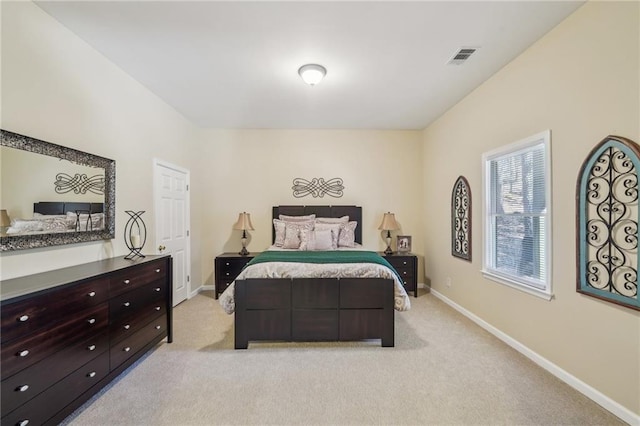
[[443, 370]]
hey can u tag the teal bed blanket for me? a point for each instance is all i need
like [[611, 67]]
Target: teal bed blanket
[[335, 256]]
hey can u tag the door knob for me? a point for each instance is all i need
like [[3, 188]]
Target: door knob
[[161, 248]]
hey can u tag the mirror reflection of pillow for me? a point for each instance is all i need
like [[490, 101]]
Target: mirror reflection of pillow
[[97, 221], [21, 225]]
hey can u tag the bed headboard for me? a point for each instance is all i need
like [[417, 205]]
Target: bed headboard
[[62, 207], [354, 213]]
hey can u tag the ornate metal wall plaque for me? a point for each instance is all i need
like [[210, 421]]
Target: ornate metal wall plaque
[[317, 187], [607, 222], [79, 184], [461, 219]]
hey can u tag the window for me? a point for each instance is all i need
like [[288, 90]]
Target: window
[[517, 209]]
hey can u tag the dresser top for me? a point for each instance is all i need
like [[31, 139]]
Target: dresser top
[[21, 286]]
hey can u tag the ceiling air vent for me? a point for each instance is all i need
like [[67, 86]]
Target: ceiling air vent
[[462, 55]]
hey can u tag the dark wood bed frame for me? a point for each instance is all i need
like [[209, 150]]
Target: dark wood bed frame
[[62, 207], [314, 309]]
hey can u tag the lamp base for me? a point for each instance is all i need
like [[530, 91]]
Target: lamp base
[[388, 250], [243, 252]]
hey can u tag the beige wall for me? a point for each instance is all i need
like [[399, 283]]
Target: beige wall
[[582, 82], [253, 170], [58, 89]]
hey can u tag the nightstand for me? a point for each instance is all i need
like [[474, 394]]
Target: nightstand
[[407, 266], [227, 266]]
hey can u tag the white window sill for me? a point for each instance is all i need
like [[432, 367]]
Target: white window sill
[[513, 284]]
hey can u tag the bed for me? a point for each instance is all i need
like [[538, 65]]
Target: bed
[[60, 216], [343, 294]]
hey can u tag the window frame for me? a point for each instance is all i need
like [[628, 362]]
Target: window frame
[[540, 288]]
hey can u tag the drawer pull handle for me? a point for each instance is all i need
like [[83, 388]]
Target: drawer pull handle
[[127, 281], [92, 374], [227, 274], [126, 304], [23, 353], [404, 272], [91, 321], [157, 308], [157, 289], [23, 319], [23, 422], [158, 327], [158, 270], [92, 293], [127, 349], [404, 263], [23, 388], [127, 326], [227, 263]]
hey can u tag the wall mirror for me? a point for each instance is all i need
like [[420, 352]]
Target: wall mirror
[[53, 195]]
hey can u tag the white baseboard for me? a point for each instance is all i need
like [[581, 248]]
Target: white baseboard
[[598, 397], [201, 289]]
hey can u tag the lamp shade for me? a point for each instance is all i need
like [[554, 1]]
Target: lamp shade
[[4, 218], [312, 74], [389, 222], [244, 222]]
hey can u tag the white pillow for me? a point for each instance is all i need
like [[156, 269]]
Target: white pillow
[[347, 237], [333, 227], [297, 218], [279, 226], [317, 240], [292, 233], [343, 219]]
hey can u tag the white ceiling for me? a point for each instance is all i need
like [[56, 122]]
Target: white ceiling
[[234, 64]]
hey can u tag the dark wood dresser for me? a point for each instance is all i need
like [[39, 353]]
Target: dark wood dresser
[[227, 266], [67, 333], [407, 266]]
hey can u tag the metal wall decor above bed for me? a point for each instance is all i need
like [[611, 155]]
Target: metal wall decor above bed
[[317, 187], [607, 222]]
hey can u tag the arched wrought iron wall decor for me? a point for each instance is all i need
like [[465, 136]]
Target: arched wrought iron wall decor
[[461, 219], [317, 187], [607, 222]]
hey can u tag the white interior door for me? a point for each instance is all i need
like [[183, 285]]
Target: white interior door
[[171, 195]]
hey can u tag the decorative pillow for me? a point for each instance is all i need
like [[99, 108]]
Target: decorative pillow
[[279, 226], [347, 237], [81, 222], [292, 233], [343, 219], [317, 240], [335, 231], [297, 218]]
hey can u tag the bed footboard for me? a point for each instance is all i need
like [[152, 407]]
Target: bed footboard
[[313, 309]]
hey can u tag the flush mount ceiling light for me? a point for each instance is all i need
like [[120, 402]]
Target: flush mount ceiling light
[[312, 73]]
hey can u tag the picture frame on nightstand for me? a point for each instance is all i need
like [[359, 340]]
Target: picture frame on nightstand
[[403, 244]]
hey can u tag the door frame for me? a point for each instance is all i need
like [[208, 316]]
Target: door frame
[[157, 162]]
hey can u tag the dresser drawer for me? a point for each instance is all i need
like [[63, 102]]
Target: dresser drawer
[[44, 406], [128, 304], [229, 268], [29, 315], [128, 347], [21, 387], [126, 327], [22, 352], [134, 277]]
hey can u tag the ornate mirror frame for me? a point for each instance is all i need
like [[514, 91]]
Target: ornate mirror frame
[[25, 143]]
